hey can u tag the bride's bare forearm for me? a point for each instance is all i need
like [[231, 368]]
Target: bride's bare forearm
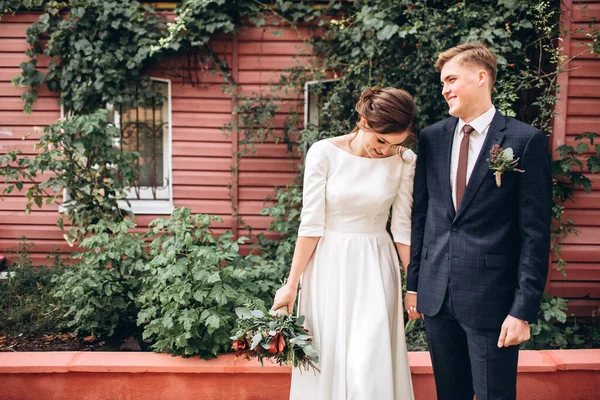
[[305, 247], [404, 253]]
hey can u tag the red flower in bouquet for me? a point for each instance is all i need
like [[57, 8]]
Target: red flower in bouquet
[[277, 344]]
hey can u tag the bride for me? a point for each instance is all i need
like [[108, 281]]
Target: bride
[[351, 291]]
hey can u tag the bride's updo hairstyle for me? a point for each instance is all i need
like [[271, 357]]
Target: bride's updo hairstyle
[[388, 110]]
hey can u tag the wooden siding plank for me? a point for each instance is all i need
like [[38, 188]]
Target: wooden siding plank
[[41, 104], [580, 253], [583, 307], [265, 178], [576, 289], [584, 68], [272, 150], [223, 149], [584, 87], [249, 207], [577, 272], [582, 200], [41, 260], [584, 217], [259, 77], [208, 120], [39, 246], [21, 17], [39, 118], [7, 89], [585, 12], [585, 106], [13, 30], [205, 105], [18, 204], [256, 193], [13, 45], [201, 192], [578, 124], [201, 163], [587, 235], [282, 165], [215, 207], [199, 134], [581, 31], [580, 48], [15, 59], [214, 178], [197, 149], [32, 232]]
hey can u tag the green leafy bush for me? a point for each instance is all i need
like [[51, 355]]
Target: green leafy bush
[[26, 303], [100, 291], [193, 283], [79, 155], [552, 331]]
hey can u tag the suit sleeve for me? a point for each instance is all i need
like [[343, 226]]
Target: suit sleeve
[[402, 206], [535, 210], [312, 218], [418, 217]]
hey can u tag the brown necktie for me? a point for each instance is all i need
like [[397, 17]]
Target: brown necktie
[[461, 172]]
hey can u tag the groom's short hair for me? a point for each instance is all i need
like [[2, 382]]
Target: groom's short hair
[[473, 54]]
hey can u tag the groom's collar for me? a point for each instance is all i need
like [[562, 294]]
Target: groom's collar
[[479, 123]]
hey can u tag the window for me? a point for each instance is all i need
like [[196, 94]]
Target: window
[[147, 130], [313, 100]]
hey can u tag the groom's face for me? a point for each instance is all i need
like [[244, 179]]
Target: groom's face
[[461, 87]]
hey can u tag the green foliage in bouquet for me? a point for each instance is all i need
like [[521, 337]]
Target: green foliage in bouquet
[[193, 283], [281, 338], [101, 289]]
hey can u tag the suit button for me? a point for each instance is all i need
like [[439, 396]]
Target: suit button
[[454, 228], [447, 256]]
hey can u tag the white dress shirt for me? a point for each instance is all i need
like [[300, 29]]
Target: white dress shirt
[[481, 126]]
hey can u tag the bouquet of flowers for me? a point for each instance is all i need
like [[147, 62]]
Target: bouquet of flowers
[[276, 336]]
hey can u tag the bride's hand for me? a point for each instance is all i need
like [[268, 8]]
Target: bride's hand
[[285, 296]]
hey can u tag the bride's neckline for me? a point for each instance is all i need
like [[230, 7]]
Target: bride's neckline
[[330, 141]]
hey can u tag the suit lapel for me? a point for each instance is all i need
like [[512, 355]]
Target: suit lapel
[[494, 136], [445, 154]]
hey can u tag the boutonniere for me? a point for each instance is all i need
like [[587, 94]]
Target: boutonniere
[[502, 160]]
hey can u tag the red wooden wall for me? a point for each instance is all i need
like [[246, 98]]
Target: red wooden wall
[[202, 154], [579, 111]]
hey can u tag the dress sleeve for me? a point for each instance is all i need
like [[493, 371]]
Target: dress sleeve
[[402, 206], [312, 218]]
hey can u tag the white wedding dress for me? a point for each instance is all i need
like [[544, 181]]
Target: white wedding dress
[[351, 291]]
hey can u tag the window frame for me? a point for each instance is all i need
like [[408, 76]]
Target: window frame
[[146, 203]]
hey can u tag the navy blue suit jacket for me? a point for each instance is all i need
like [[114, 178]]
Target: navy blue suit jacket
[[492, 253]]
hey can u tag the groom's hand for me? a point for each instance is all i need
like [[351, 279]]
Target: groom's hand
[[514, 331]]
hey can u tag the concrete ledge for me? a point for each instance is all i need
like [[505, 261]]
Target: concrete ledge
[[548, 375]]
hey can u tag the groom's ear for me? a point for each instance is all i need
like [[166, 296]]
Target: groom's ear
[[483, 78]]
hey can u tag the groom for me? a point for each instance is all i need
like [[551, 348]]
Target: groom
[[480, 246]]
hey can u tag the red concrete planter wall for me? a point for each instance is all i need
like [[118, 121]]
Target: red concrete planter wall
[[543, 375]]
